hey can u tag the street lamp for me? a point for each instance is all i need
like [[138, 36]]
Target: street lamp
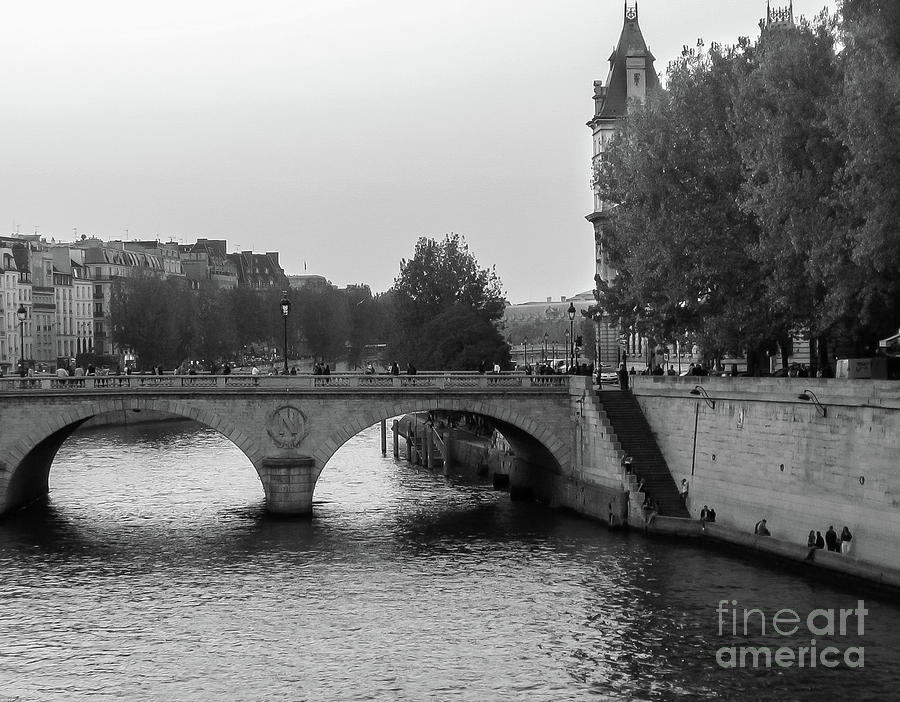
[[22, 314], [809, 395], [285, 311], [699, 391], [546, 344], [525, 343], [571, 312]]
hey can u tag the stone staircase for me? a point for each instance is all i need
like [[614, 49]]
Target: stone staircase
[[414, 433], [636, 440]]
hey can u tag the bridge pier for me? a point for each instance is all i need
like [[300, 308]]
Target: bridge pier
[[288, 484]]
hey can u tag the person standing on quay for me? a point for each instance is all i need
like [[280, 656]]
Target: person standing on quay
[[684, 492], [831, 538], [704, 516], [846, 538]]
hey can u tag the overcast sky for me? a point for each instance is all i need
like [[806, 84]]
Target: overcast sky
[[335, 132]]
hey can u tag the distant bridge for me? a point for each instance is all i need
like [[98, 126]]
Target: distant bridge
[[289, 426]]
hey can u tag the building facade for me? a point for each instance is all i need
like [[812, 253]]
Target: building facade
[[15, 294], [631, 79], [206, 262], [64, 290]]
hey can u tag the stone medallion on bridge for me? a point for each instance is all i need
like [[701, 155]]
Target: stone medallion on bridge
[[287, 426]]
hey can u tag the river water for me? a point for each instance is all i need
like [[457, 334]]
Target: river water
[[153, 573]]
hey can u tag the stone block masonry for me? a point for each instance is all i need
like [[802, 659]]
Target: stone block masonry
[[763, 452], [288, 427]]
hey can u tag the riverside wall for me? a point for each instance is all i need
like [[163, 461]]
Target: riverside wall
[[762, 452], [596, 485], [593, 485]]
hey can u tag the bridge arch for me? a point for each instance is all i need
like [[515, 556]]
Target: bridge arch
[[26, 468], [530, 438]]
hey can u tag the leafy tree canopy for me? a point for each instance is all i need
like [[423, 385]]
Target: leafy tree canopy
[[444, 273], [154, 317], [760, 195], [460, 338], [440, 277]]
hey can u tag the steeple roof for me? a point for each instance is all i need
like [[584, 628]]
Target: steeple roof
[[631, 45], [780, 16]]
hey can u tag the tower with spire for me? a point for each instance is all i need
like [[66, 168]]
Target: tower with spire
[[778, 17], [632, 78]]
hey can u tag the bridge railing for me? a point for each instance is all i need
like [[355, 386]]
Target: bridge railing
[[336, 381]]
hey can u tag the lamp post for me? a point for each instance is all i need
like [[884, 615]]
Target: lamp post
[[525, 344], [571, 312], [285, 311], [810, 396], [22, 314], [699, 391], [546, 345]]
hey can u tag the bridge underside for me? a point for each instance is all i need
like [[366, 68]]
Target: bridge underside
[[32, 480]]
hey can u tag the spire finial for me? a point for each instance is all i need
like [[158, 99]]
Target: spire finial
[[631, 13]]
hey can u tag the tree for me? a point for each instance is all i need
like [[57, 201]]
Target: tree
[[362, 322], [439, 277], [254, 314], [460, 338], [216, 335], [443, 274], [587, 330], [680, 243], [866, 116], [791, 159], [154, 318], [324, 320]]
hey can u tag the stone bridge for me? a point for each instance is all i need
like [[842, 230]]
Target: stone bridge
[[288, 426]]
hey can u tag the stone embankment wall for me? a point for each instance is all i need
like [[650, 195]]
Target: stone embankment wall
[[597, 471], [592, 483], [762, 452]]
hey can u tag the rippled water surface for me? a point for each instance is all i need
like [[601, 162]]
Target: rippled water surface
[[152, 573]]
